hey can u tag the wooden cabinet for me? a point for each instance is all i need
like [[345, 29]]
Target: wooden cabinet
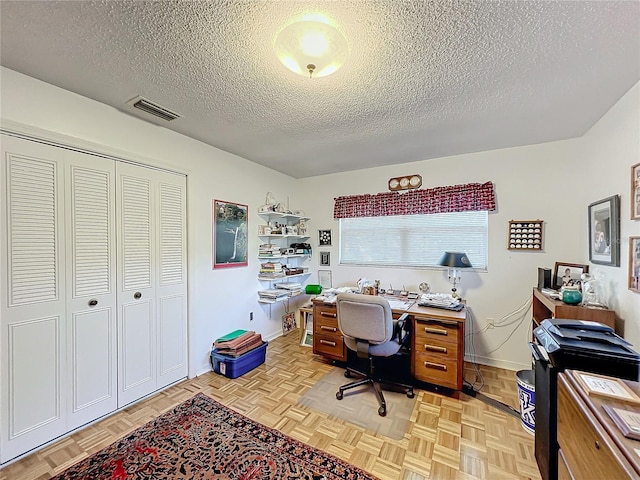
[[327, 337], [591, 445], [546, 307], [437, 346]]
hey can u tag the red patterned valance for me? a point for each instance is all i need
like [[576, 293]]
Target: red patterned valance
[[455, 198]]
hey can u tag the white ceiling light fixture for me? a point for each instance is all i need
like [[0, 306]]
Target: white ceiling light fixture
[[311, 46]]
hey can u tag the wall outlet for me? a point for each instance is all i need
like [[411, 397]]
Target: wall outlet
[[490, 323], [251, 316]]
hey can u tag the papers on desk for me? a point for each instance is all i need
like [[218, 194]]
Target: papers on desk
[[440, 300], [400, 304]]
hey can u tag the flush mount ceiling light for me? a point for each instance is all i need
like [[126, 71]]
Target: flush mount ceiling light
[[311, 47]]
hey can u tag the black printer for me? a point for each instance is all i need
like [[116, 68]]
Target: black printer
[[576, 345], [588, 346]]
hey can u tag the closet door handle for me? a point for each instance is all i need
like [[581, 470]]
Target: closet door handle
[[137, 295], [93, 302]]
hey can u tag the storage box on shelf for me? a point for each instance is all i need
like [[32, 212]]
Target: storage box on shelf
[[281, 254]]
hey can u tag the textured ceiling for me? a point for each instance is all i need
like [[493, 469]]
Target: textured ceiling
[[423, 79]]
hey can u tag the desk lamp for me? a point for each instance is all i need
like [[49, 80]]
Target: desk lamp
[[455, 261]]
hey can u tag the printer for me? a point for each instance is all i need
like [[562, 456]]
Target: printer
[[587, 346], [577, 345]]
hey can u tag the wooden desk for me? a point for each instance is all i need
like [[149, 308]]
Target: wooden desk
[[591, 445], [546, 307], [437, 341]]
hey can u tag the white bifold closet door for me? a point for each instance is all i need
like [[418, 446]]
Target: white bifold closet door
[[152, 302], [92, 286], [58, 339]]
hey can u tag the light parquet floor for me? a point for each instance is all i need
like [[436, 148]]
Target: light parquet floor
[[447, 438]]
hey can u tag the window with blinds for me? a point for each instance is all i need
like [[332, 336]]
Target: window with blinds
[[414, 240]]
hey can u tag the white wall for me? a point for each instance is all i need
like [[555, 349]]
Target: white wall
[[219, 300], [554, 182]]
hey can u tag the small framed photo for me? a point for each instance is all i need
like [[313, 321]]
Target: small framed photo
[[604, 231], [634, 264], [608, 387], [635, 192], [325, 259], [324, 238], [565, 274]]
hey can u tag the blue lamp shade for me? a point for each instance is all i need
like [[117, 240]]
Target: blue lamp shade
[[455, 260]]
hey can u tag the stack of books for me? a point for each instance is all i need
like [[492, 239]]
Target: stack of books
[[273, 295], [237, 343], [268, 250], [271, 270], [293, 288]]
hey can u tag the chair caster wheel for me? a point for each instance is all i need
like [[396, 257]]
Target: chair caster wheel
[[410, 395], [347, 373], [382, 411], [339, 395]]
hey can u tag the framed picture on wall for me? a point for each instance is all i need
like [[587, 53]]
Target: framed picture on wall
[[604, 231], [229, 234], [325, 259], [635, 192], [324, 238], [634, 264]]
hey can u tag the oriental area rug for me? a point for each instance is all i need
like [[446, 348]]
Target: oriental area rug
[[203, 439]]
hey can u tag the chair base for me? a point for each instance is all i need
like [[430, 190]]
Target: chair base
[[377, 387]]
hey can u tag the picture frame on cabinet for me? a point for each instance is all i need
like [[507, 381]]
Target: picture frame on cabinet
[[635, 192], [604, 231], [230, 223], [566, 273], [634, 264]]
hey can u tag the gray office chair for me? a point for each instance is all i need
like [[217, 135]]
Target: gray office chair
[[370, 331]]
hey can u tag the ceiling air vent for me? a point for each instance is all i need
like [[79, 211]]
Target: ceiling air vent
[[148, 106]]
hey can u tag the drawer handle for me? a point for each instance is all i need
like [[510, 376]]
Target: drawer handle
[[438, 366], [137, 295], [331, 329], [597, 444], [327, 342], [325, 314], [435, 348], [93, 302], [436, 331]]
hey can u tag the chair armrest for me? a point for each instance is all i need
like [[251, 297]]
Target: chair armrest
[[399, 327]]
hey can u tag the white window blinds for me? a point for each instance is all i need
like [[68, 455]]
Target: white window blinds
[[414, 240]]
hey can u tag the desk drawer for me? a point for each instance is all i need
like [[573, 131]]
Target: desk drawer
[[436, 348], [435, 331], [438, 370], [329, 346]]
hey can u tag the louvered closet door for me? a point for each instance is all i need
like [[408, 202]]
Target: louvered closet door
[[136, 283], [33, 363], [151, 280], [171, 279], [91, 288]]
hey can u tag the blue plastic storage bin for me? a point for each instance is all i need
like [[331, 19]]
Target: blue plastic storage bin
[[233, 367]]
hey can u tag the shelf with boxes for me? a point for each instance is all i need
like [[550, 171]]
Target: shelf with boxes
[[282, 253]]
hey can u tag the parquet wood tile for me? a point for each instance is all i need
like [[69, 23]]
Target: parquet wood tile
[[447, 438]]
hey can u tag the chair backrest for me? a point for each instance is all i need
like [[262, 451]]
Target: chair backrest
[[365, 317]]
